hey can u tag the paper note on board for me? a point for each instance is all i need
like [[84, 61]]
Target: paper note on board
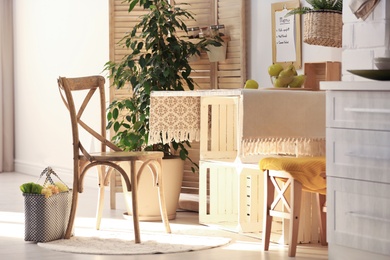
[[285, 36]]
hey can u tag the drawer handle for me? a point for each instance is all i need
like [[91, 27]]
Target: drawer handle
[[367, 110], [379, 156], [358, 215]]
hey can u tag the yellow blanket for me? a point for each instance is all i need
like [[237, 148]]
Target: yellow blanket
[[307, 170]]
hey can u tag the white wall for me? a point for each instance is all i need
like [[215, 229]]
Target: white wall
[[52, 38], [260, 49], [70, 38], [364, 40]]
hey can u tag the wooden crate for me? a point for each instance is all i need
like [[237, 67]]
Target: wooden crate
[[231, 197], [321, 71], [218, 127]]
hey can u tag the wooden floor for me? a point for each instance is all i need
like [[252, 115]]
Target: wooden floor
[[13, 246]]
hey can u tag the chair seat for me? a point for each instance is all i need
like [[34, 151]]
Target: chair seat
[[308, 171]]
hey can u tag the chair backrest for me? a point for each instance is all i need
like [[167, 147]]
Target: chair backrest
[[87, 85]]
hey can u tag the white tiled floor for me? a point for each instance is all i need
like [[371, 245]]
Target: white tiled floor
[[13, 246]]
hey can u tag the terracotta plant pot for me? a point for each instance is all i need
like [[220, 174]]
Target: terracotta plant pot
[[148, 204]]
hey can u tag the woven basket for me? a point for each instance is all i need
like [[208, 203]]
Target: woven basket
[[323, 28], [46, 219]]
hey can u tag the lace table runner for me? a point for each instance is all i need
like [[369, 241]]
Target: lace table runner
[[174, 117]]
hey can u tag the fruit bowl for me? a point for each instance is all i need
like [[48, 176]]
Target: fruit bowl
[[285, 77], [294, 84]]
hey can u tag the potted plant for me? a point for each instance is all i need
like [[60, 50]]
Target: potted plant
[[216, 53], [157, 61], [322, 22]]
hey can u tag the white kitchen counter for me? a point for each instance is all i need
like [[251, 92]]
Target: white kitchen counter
[[357, 169], [355, 85]]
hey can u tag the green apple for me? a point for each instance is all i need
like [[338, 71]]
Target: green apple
[[297, 81], [275, 69], [250, 83]]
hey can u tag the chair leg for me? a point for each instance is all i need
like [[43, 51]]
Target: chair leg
[[161, 197], [113, 190], [321, 200], [295, 203], [72, 214], [134, 184], [100, 204], [269, 191]]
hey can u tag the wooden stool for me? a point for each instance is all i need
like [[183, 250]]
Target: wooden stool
[[303, 173]]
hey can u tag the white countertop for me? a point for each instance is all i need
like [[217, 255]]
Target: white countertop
[[355, 85]]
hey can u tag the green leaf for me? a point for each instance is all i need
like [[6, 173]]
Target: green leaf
[[142, 62], [130, 63], [115, 113], [31, 187], [183, 155], [126, 142], [26, 187], [129, 104], [116, 126], [175, 145], [133, 3], [137, 125], [109, 115], [36, 188], [140, 45]]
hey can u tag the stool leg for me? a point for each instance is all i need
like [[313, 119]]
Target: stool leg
[[321, 199], [296, 194], [269, 192]]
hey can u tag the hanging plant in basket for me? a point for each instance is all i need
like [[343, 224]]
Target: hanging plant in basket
[[323, 22]]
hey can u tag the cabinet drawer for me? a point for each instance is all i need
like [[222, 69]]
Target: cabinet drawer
[[358, 109], [358, 154], [358, 214]]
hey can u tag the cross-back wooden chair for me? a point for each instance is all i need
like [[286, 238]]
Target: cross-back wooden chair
[[105, 161]]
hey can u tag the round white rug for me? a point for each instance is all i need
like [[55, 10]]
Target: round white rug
[[122, 243]]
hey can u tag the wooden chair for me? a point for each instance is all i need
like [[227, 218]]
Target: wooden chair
[[306, 173], [105, 161]]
